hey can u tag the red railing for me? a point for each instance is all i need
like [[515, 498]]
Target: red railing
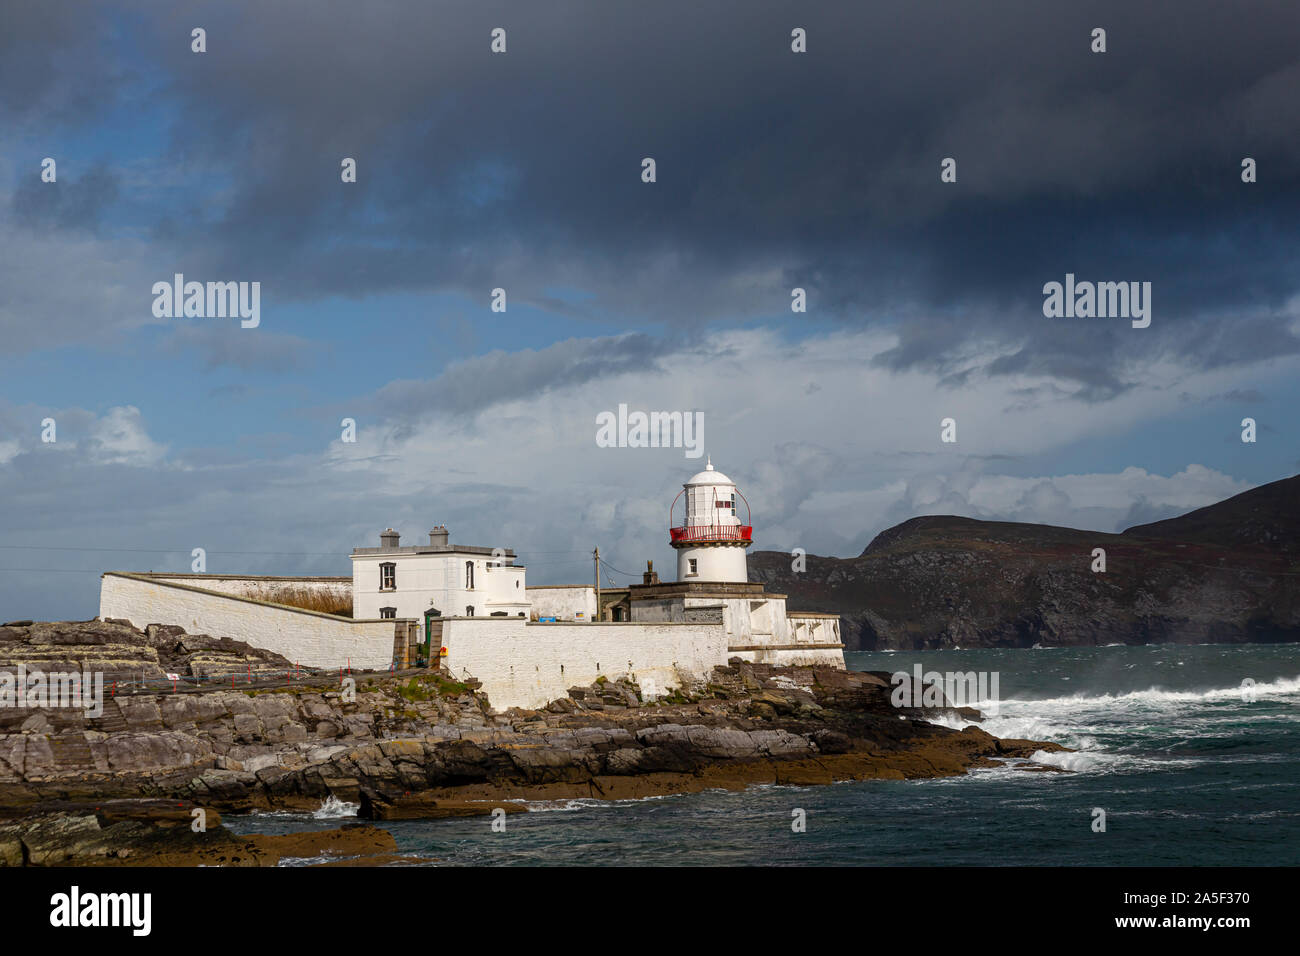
[[725, 532]]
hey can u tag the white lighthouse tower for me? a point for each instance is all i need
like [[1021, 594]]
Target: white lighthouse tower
[[711, 540]]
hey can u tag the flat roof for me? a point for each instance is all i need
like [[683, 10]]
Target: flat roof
[[434, 549], [724, 589], [337, 579]]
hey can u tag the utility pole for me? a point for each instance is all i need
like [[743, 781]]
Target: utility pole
[[597, 558]]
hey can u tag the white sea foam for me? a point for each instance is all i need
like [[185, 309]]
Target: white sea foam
[[586, 803], [311, 860], [1156, 697], [334, 807], [1083, 761]]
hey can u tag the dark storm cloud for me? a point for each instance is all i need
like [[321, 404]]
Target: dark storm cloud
[[65, 203], [57, 65], [774, 169]]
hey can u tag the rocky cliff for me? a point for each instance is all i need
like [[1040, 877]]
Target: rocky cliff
[[1227, 573], [421, 745]]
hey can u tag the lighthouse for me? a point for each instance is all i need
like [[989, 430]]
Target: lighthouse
[[711, 540]]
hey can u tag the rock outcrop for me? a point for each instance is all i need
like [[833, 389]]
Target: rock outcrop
[[166, 833], [130, 658], [81, 788]]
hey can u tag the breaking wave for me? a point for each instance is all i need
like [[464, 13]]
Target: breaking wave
[[333, 807]]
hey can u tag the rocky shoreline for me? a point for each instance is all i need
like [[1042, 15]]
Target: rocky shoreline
[[81, 790]]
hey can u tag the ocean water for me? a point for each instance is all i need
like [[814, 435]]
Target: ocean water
[[1186, 770]]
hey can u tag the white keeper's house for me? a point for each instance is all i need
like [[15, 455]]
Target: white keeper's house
[[468, 608], [450, 580]]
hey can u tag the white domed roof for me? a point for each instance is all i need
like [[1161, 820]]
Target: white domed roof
[[710, 477]]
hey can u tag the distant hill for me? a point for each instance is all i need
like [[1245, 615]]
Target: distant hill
[[1227, 573], [1265, 518]]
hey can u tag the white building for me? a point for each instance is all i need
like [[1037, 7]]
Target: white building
[[713, 579], [439, 579], [711, 540], [469, 609]]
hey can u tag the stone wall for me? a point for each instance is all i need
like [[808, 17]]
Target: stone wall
[[528, 664], [304, 637]]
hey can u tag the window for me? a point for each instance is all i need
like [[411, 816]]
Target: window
[[691, 566], [469, 575], [469, 610], [388, 576], [388, 612]]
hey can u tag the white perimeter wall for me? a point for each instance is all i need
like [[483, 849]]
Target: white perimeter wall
[[747, 621], [563, 603], [305, 637], [814, 629], [250, 585], [760, 631], [528, 665]]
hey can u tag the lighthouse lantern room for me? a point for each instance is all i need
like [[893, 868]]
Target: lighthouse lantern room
[[711, 540]]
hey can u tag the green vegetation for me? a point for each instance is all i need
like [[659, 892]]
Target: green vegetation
[[430, 687]]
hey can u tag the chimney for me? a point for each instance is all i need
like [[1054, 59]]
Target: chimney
[[650, 576], [438, 536], [388, 539]]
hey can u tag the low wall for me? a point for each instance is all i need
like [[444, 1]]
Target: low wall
[[528, 665], [810, 639], [576, 603], [807, 627], [250, 585], [304, 637], [791, 655]]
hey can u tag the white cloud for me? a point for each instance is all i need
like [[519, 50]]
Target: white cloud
[[822, 470], [825, 471], [120, 438]]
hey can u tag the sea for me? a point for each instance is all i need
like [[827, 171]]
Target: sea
[[1182, 756]]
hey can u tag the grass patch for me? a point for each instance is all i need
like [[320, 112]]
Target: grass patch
[[430, 688], [309, 599]]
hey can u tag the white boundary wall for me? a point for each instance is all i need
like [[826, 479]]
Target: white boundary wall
[[304, 637], [759, 630], [576, 603], [528, 665], [250, 585]]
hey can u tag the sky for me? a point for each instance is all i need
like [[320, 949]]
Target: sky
[[523, 170]]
